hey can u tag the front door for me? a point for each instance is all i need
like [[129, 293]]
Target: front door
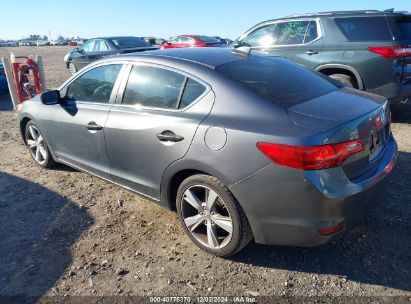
[[76, 125], [153, 125]]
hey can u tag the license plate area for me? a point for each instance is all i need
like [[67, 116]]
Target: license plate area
[[378, 140]]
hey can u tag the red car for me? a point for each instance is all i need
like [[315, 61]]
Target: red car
[[185, 41], [72, 43]]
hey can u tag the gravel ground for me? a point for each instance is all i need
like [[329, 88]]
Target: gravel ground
[[65, 232]]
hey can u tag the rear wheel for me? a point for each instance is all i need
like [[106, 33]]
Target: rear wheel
[[211, 216], [38, 147], [346, 80], [72, 68]]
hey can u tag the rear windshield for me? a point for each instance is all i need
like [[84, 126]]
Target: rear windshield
[[206, 38], [128, 42], [277, 80], [364, 28]]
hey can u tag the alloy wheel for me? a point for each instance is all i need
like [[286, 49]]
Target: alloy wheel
[[206, 217], [36, 145]]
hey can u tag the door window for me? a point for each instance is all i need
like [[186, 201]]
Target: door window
[[95, 85], [153, 87], [263, 36], [290, 33], [175, 40], [186, 40], [311, 33], [100, 46], [88, 46]]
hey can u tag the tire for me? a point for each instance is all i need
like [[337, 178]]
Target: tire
[[72, 68], [346, 80], [220, 226], [37, 146]]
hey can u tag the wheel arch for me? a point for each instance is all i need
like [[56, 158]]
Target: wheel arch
[[336, 68], [23, 123], [179, 171]]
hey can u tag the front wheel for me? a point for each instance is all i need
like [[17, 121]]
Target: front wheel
[[38, 147], [211, 216]]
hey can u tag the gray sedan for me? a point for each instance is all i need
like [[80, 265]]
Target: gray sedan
[[242, 145]]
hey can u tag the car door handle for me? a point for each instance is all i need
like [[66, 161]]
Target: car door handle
[[92, 126], [169, 136], [311, 52]]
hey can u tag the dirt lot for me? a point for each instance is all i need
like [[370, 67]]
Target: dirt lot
[[63, 232]]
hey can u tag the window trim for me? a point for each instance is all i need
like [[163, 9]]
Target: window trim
[[126, 75], [320, 32]]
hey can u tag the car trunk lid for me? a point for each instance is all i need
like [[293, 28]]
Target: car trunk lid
[[346, 115]]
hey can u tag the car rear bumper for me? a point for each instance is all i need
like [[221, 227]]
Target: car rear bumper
[[395, 92], [288, 207]]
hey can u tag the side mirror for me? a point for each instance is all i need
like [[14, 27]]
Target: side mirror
[[50, 97], [78, 50]]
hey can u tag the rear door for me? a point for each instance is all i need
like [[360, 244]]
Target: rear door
[[297, 40], [156, 116]]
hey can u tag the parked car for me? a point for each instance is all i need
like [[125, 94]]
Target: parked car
[[241, 144], [72, 43], [367, 50], [57, 42], [185, 41], [3, 80], [42, 42], [97, 48], [9, 44]]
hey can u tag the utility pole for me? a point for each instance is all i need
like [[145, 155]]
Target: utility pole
[[49, 36]]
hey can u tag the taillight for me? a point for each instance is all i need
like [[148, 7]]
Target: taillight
[[311, 157], [391, 51]]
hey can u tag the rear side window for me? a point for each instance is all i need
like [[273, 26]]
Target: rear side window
[[364, 28], [192, 91], [95, 85], [277, 80]]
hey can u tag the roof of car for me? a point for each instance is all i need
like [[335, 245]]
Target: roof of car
[[114, 37], [348, 13], [210, 57]]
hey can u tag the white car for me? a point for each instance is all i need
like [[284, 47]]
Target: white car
[[42, 42]]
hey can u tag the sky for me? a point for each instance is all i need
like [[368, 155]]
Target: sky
[[159, 18]]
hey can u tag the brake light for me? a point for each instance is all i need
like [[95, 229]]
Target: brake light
[[391, 51], [311, 157]]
